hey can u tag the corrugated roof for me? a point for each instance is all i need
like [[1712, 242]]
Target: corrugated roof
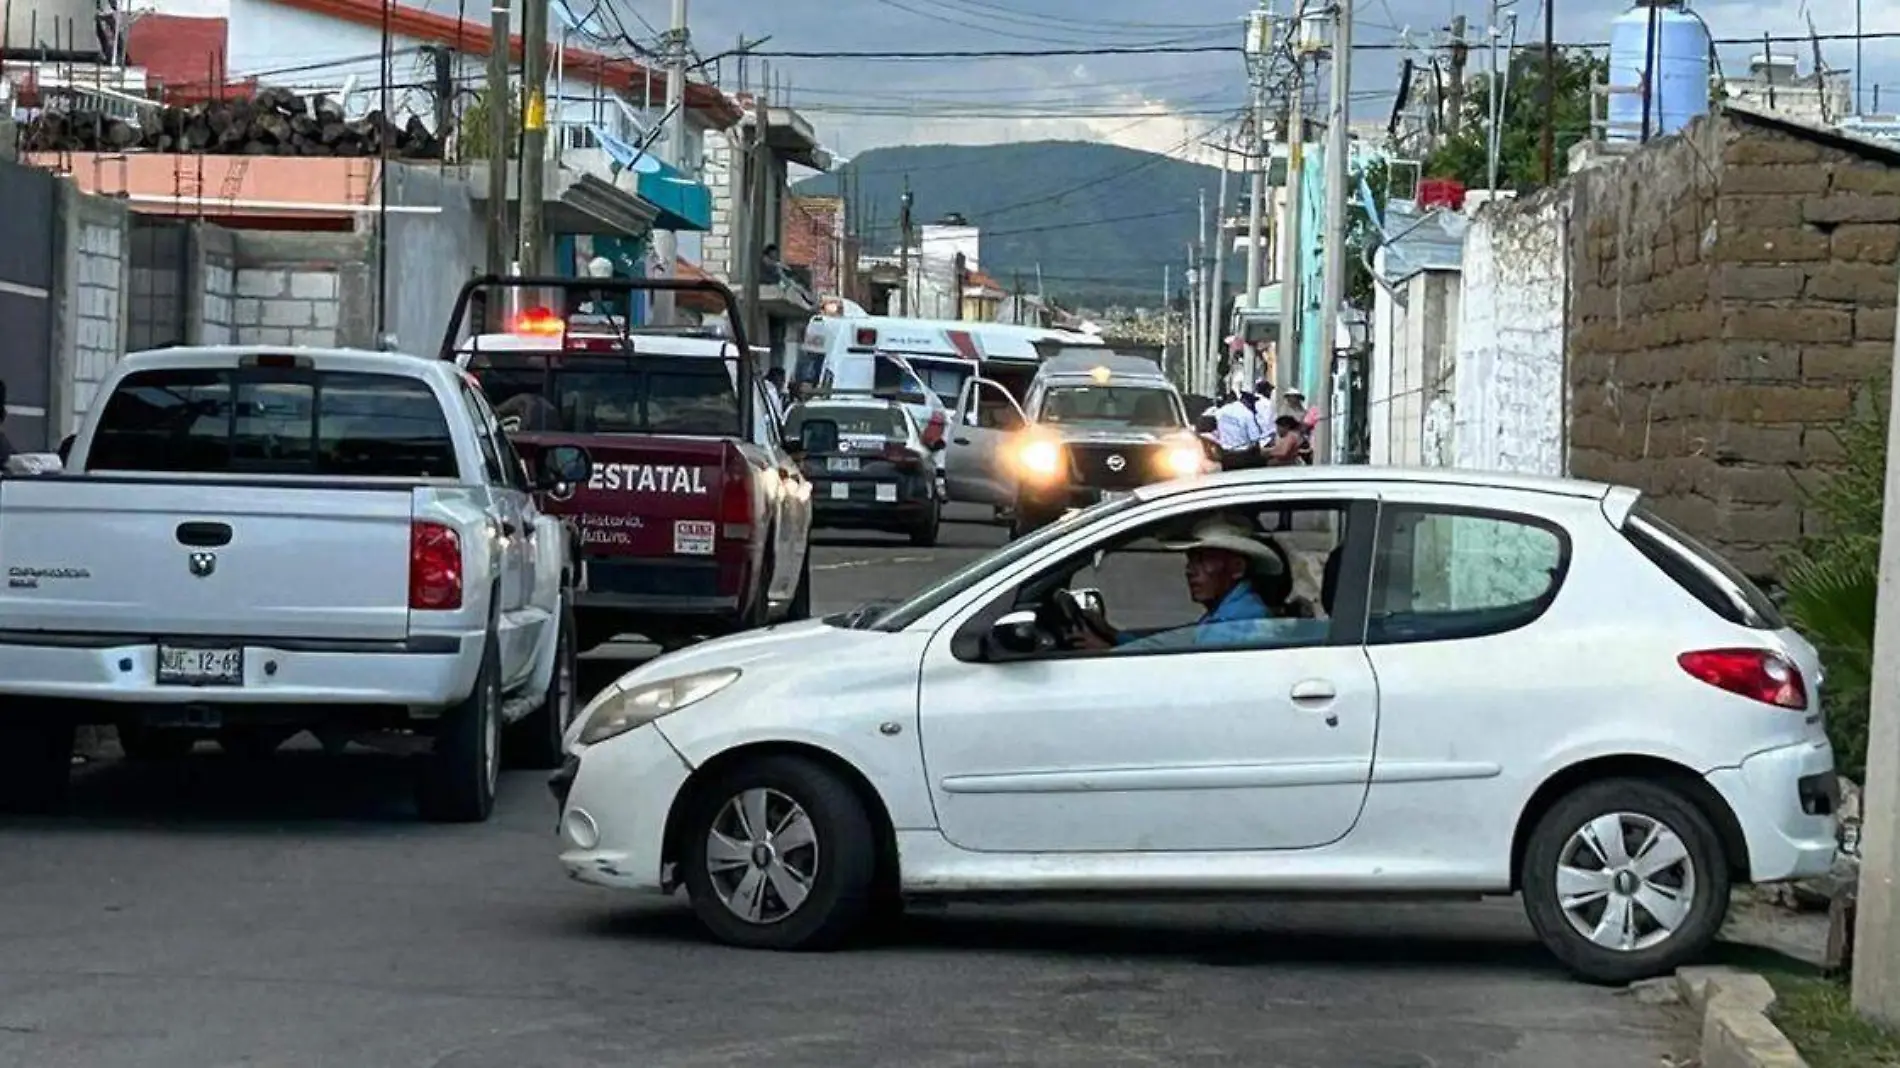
[[1432, 241]]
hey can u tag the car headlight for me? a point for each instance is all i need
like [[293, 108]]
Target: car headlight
[[1181, 461], [617, 711], [1041, 458]]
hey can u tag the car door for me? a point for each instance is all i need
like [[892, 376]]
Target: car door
[[517, 626], [1264, 747], [791, 504], [978, 463]]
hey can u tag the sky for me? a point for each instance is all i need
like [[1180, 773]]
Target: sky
[[1162, 103]]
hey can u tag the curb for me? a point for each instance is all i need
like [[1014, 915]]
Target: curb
[[1736, 1030]]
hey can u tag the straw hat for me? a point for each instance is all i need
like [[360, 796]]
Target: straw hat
[[1230, 535]]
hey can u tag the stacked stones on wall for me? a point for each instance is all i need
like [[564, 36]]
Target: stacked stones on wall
[[1733, 300]]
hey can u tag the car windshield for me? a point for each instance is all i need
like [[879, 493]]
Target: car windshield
[[853, 420], [1138, 406], [926, 601], [610, 395]]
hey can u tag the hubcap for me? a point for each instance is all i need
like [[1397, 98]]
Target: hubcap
[[1625, 881], [762, 856]]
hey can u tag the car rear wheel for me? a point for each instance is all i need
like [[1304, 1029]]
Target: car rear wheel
[[460, 774], [779, 854], [535, 741], [1625, 879], [36, 762]]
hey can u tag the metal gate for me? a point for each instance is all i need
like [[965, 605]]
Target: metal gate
[[26, 305], [159, 312]]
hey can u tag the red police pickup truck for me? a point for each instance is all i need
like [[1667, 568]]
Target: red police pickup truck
[[696, 520]]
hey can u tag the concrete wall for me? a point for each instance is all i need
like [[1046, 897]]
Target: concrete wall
[[430, 255], [1416, 338], [1733, 301], [1508, 402], [303, 289], [720, 245], [29, 254]]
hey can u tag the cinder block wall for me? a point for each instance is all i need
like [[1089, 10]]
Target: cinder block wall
[[302, 289], [92, 280]]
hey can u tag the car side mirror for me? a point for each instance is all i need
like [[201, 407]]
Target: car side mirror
[[1016, 634], [563, 465], [66, 448]]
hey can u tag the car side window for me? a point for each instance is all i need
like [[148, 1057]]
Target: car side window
[[994, 409], [1441, 574], [515, 472], [484, 436]]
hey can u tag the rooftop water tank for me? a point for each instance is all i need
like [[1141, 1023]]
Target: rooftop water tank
[[1678, 92]]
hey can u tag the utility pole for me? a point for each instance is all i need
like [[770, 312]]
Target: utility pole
[[498, 141], [534, 132], [758, 169], [666, 242], [1217, 292], [1262, 31], [1550, 94], [1877, 925], [1333, 279], [1287, 353], [1201, 303], [1455, 92], [1190, 321], [903, 252], [1167, 319]]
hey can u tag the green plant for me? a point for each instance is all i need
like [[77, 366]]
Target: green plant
[[1520, 149], [473, 132], [1833, 584]]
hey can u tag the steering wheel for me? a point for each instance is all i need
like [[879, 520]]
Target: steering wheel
[[1069, 617]]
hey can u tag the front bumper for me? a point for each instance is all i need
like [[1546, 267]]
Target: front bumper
[[614, 799], [422, 673], [1780, 797]]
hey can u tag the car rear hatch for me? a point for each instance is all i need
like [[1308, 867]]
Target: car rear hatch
[[859, 458]]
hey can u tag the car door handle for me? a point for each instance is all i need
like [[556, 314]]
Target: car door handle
[[204, 535], [1313, 690], [961, 441]]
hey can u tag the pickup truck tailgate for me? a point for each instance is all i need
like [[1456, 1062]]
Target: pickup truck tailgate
[[188, 557]]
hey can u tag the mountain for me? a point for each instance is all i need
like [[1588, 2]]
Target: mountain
[[1102, 221]]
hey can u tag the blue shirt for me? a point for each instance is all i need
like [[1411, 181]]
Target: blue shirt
[[1239, 619]]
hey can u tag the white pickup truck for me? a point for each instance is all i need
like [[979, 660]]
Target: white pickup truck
[[249, 542]]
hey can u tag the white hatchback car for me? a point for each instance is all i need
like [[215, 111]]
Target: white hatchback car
[[1465, 684]]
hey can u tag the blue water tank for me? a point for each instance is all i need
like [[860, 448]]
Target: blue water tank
[[1680, 89]]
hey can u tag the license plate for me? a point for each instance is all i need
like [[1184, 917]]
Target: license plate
[[199, 666], [842, 463], [887, 491], [841, 491]]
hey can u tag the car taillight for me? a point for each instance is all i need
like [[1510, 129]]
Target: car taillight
[[435, 567], [735, 498], [1757, 674]]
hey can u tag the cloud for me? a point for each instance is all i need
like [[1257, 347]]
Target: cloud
[[1154, 102]]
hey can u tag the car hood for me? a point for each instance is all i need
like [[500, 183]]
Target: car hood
[[1111, 434]]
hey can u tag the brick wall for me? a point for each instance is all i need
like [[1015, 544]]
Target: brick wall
[[1734, 298], [302, 289], [93, 283], [721, 176], [217, 290]]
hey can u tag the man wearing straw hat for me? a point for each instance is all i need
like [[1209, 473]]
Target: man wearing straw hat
[[1231, 574]]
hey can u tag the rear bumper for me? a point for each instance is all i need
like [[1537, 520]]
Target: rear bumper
[[657, 606], [423, 674], [891, 515], [1775, 798]]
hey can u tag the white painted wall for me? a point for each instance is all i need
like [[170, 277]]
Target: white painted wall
[[1415, 333], [1510, 388]]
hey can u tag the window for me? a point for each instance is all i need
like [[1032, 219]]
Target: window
[[945, 378], [892, 379], [665, 395], [1701, 571], [1160, 597], [485, 438], [853, 420], [1443, 574], [1138, 406], [268, 421]]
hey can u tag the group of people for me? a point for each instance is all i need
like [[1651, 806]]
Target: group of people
[[1249, 434]]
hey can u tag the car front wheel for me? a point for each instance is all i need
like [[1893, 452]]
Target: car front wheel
[[779, 853], [1625, 880]]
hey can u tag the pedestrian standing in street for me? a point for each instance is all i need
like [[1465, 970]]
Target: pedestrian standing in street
[[1237, 431], [6, 446], [1284, 449]]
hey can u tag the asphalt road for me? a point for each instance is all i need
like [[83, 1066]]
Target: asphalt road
[[295, 914]]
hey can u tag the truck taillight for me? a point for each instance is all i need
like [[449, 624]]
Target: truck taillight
[[735, 498], [435, 567]]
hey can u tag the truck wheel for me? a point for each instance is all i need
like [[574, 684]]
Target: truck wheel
[[801, 597], [535, 741], [458, 780], [36, 762], [779, 854], [152, 744], [924, 536]]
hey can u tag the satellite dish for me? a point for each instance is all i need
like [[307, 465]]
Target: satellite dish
[[645, 163]]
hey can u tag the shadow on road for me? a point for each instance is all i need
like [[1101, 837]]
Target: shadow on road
[[1340, 934]]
